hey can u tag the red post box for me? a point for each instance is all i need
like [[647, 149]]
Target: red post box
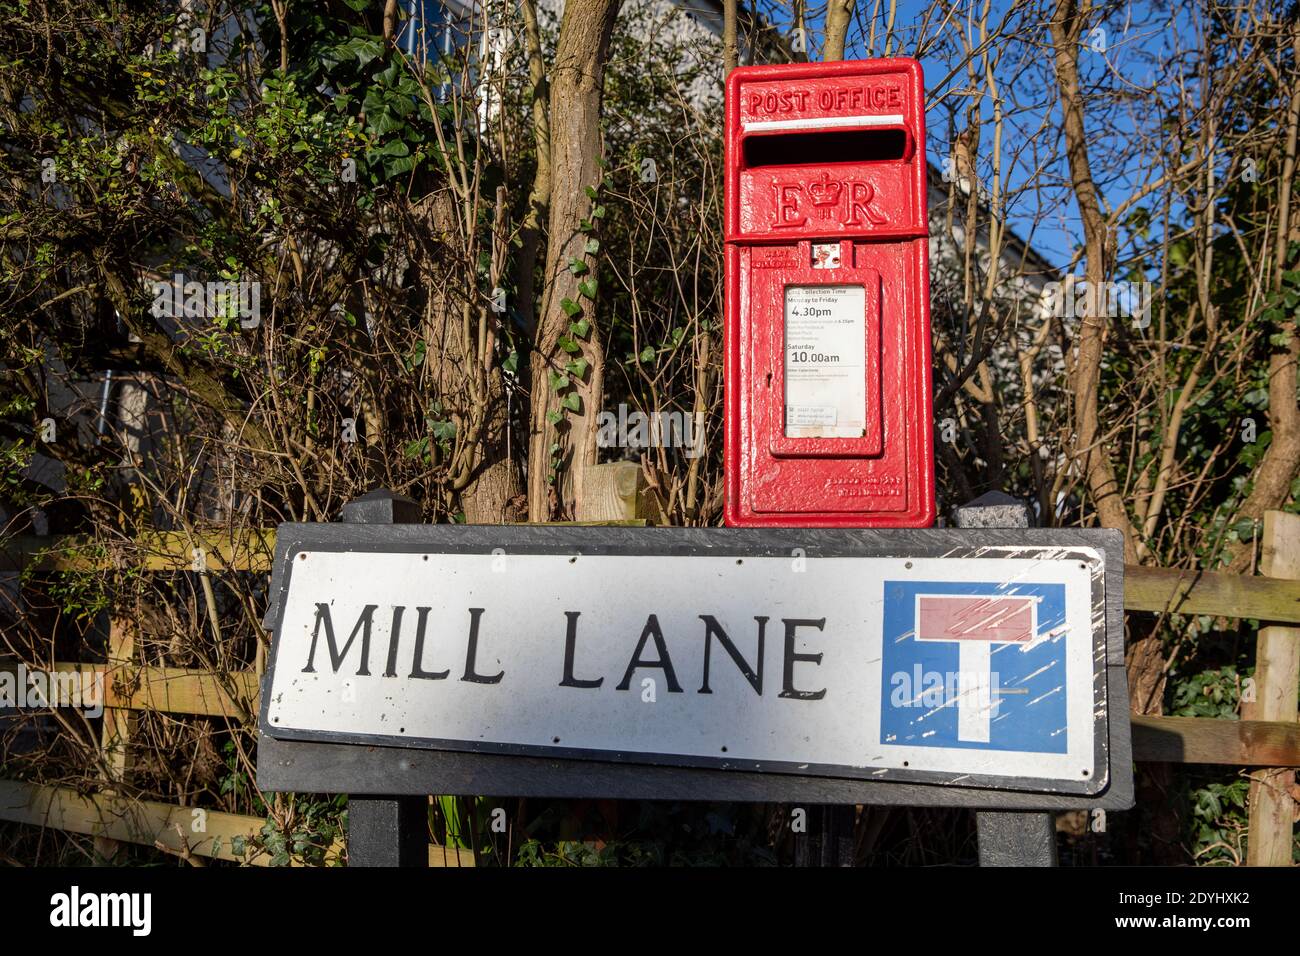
[[829, 411]]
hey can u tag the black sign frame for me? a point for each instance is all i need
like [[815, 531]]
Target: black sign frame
[[306, 761]]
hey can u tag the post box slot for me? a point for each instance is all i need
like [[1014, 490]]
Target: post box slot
[[826, 147]]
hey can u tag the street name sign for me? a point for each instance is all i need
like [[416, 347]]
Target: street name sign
[[977, 659]]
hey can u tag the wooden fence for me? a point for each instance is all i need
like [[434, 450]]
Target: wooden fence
[[1269, 743]]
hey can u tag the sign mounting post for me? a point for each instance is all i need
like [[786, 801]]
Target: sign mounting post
[[386, 830], [1005, 838]]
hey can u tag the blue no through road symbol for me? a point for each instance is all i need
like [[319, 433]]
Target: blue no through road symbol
[[974, 665]]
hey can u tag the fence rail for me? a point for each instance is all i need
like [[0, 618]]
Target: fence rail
[[1244, 743], [164, 826], [1273, 744], [1160, 590]]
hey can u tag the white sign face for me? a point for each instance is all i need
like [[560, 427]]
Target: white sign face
[[881, 668], [825, 361]]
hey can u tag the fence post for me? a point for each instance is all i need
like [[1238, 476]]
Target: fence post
[[1277, 674], [828, 839], [386, 831], [612, 492], [119, 723], [1006, 837]]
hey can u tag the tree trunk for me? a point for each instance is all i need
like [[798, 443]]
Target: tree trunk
[[1277, 470], [539, 196], [489, 491], [575, 95], [495, 494], [1089, 446], [730, 49], [839, 14]]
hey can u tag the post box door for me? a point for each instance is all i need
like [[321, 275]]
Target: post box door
[[820, 395], [792, 469]]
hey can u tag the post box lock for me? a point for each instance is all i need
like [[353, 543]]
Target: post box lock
[[829, 406]]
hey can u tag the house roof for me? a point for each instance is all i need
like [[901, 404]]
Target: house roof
[[1034, 263]]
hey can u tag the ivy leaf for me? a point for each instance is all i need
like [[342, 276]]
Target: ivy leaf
[[647, 355], [401, 102], [578, 267], [385, 122], [559, 382], [554, 418], [570, 308], [569, 345], [577, 368], [511, 364], [416, 449], [395, 167], [580, 328], [395, 147], [590, 191], [572, 402], [365, 49], [588, 288], [592, 246], [598, 212]]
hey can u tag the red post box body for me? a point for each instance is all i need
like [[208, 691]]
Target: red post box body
[[829, 410]]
